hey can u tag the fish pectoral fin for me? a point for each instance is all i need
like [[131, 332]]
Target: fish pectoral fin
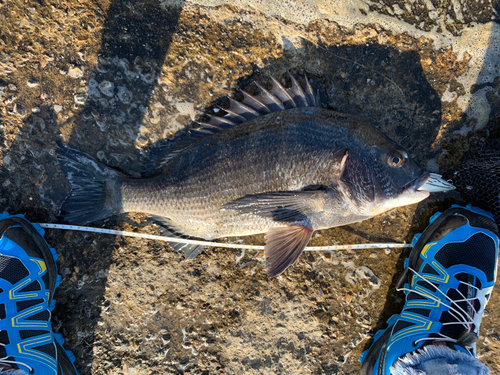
[[170, 229], [292, 208], [282, 206], [283, 247]]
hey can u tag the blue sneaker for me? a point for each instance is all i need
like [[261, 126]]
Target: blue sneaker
[[448, 280], [28, 279]]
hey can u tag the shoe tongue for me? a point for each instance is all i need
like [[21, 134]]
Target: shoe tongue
[[462, 312]]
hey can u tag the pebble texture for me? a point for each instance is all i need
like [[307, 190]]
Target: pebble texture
[[114, 78]]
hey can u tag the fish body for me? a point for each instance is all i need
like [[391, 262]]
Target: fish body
[[284, 151], [285, 173]]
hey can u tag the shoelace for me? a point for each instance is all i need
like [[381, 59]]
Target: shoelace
[[9, 362], [458, 313]]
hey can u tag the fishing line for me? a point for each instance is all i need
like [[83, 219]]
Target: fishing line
[[353, 62], [325, 49], [215, 244]]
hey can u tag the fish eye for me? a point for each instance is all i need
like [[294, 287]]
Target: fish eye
[[395, 159]]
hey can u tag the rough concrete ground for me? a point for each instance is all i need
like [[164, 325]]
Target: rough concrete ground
[[113, 78]]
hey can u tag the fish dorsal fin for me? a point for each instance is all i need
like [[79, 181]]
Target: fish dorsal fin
[[235, 112], [277, 98]]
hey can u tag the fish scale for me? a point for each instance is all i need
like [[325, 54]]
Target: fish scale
[[285, 173], [290, 160]]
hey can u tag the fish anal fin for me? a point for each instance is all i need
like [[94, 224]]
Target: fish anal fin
[[284, 246], [170, 229]]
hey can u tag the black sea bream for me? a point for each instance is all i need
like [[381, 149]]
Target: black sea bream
[[273, 164]]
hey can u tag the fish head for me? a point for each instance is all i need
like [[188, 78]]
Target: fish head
[[399, 181], [378, 179]]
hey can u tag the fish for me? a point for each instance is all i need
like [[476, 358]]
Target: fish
[[274, 162]]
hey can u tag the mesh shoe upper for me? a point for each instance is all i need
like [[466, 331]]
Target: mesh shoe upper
[[28, 278], [448, 280]]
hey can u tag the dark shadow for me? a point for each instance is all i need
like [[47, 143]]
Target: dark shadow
[[106, 115], [135, 41], [367, 237], [471, 162], [136, 37]]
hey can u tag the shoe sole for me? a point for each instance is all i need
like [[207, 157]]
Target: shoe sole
[[369, 357]]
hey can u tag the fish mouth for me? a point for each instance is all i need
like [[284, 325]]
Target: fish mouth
[[431, 182], [417, 183]]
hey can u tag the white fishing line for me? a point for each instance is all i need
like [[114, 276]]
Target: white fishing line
[[215, 244]]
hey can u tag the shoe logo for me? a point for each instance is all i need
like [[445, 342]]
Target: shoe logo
[[27, 348], [443, 276], [430, 302], [426, 247], [13, 293], [19, 320], [41, 265], [420, 324]]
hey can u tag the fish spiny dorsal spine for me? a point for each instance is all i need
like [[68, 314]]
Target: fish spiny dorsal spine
[[251, 106], [265, 101]]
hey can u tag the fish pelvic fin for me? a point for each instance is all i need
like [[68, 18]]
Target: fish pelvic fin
[[170, 229], [95, 189], [284, 246]]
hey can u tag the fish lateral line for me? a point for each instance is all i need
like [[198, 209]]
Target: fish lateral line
[[80, 228]]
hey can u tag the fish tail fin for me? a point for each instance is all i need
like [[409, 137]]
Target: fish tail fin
[[95, 188]]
